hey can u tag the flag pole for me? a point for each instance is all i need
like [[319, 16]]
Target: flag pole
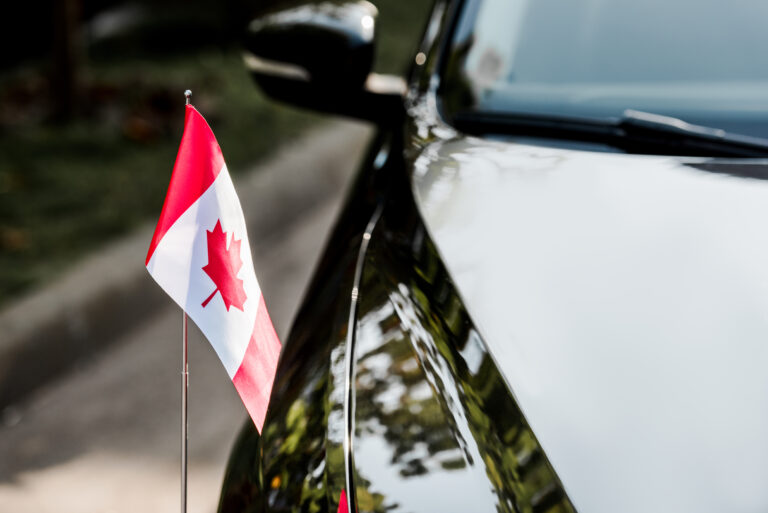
[[184, 389], [184, 423]]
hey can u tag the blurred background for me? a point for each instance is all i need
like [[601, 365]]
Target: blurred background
[[91, 114], [91, 110]]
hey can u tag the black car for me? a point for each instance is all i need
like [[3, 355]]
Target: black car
[[548, 290]]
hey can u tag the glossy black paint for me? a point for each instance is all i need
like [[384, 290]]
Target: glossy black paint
[[424, 386], [432, 411], [454, 420], [298, 464], [385, 387]]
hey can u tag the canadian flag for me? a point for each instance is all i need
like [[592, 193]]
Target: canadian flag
[[201, 257]]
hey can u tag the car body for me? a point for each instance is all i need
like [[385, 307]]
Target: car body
[[540, 304]]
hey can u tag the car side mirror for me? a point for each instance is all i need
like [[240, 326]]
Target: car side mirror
[[320, 56]]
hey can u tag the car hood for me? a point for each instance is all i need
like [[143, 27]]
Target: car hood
[[625, 299]]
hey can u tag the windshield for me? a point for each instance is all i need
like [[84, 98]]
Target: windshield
[[703, 61]]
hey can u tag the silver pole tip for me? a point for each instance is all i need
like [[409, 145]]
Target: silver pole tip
[[187, 95]]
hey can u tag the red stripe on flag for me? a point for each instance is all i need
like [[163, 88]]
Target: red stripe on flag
[[197, 165], [253, 380]]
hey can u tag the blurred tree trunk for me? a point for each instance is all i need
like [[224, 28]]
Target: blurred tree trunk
[[66, 58]]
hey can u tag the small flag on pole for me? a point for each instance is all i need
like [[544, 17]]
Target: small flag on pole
[[200, 256]]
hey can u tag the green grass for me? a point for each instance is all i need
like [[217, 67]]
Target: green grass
[[66, 190]]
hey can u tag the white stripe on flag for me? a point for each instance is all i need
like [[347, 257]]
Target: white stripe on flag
[[177, 266]]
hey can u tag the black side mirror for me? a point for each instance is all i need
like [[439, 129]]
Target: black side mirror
[[320, 56]]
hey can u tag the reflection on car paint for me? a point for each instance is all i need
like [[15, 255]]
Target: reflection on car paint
[[621, 296], [436, 428], [298, 464], [434, 423]]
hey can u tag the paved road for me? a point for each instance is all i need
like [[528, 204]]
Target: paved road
[[105, 437]]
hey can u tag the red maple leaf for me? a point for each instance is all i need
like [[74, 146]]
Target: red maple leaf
[[223, 265]]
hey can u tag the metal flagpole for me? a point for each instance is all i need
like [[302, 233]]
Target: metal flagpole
[[184, 389], [184, 425]]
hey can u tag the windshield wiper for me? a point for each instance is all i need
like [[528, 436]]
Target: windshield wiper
[[655, 129], [634, 132]]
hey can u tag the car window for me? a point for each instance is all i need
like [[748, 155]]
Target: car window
[[704, 61]]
